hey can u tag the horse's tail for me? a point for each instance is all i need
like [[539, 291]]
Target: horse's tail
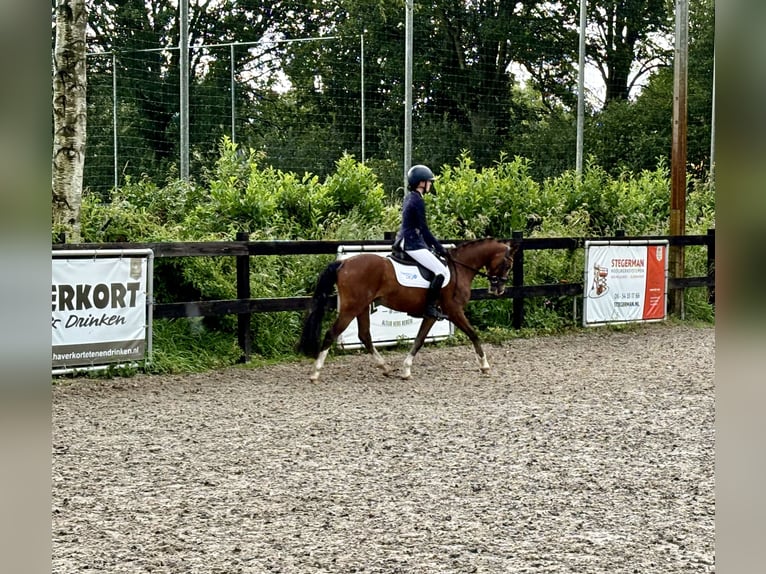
[[309, 342]]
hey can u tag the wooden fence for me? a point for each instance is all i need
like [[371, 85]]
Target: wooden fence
[[243, 249]]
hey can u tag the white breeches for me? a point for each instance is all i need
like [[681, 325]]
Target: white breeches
[[427, 259]]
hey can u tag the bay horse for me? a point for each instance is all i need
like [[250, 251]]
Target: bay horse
[[367, 277]]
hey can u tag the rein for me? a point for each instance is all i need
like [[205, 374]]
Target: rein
[[477, 271]]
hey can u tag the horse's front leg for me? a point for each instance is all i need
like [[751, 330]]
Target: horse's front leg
[[461, 322], [425, 327]]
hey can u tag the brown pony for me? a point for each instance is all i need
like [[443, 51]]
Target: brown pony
[[368, 277]]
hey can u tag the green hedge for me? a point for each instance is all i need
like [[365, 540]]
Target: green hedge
[[241, 194]]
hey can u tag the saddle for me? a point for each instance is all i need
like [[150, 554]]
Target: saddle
[[400, 256]]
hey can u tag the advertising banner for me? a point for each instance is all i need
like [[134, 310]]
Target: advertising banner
[[625, 281], [100, 305], [388, 327]]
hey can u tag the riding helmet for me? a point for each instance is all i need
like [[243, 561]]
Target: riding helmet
[[418, 173]]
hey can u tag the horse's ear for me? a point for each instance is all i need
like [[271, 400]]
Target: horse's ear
[[513, 247]]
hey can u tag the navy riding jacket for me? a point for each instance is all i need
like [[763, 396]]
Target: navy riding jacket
[[414, 233]]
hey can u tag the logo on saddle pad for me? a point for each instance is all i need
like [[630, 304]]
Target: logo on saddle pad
[[410, 275]]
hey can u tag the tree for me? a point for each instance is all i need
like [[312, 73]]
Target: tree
[[462, 58], [148, 75], [69, 116], [468, 55], [632, 135], [626, 33]]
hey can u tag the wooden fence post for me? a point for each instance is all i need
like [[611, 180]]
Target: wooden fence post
[[244, 333], [518, 280]]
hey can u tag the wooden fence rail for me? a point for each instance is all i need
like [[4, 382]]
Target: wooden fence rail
[[243, 249]]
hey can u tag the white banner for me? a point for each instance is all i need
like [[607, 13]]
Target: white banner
[[99, 307], [625, 281], [388, 327]]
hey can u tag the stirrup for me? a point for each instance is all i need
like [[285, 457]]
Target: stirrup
[[433, 311]]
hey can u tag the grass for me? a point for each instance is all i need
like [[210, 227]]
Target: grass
[[188, 345]]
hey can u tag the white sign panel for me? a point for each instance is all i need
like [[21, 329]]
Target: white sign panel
[[388, 327], [625, 281], [100, 307]]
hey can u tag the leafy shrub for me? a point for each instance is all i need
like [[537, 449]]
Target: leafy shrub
[[493, 202], [118, 220], [351, 204], [354, 187], [700, 207], [299, 205], [241, 195], [168, 205]]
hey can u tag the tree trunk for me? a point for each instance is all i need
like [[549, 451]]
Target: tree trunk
[[69, 116]]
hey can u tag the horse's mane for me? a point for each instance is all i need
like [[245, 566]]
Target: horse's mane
[[472, 242]]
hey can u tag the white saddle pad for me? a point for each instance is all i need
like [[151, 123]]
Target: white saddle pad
[[409, 275]]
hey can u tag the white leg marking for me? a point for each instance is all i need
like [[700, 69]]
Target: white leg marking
[[379, 361], [406, 367], [318, 364], [483, 363]]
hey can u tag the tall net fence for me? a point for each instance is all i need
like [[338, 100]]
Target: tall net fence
[[342, 103], [239, 91], [302, 103]]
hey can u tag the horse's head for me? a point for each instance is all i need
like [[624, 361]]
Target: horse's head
[[499, 266], [490, 254]]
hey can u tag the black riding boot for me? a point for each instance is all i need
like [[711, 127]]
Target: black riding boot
[[432, 296]]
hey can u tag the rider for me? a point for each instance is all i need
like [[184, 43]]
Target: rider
[[416, 239]]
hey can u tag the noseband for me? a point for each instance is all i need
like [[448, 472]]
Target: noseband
[[493, 279]]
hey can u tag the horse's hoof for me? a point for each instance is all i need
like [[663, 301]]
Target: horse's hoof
[[483, 364], [314, 378]]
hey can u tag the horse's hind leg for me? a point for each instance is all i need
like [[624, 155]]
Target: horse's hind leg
[[363, 324], [420, 338], [331, 335], [318, 364]]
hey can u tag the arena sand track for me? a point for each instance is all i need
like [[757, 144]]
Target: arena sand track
[[584, 453]]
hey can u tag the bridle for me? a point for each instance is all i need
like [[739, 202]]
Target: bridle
[[494, 280]]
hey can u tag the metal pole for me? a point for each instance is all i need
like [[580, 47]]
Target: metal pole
[[711, 176], [184, 86], [407, 89], [114, 120], [581, 89], [678, 152], [362, 90], [233, 94]]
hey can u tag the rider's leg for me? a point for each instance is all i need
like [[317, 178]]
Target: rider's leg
[[429, 260], [432, 296]]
